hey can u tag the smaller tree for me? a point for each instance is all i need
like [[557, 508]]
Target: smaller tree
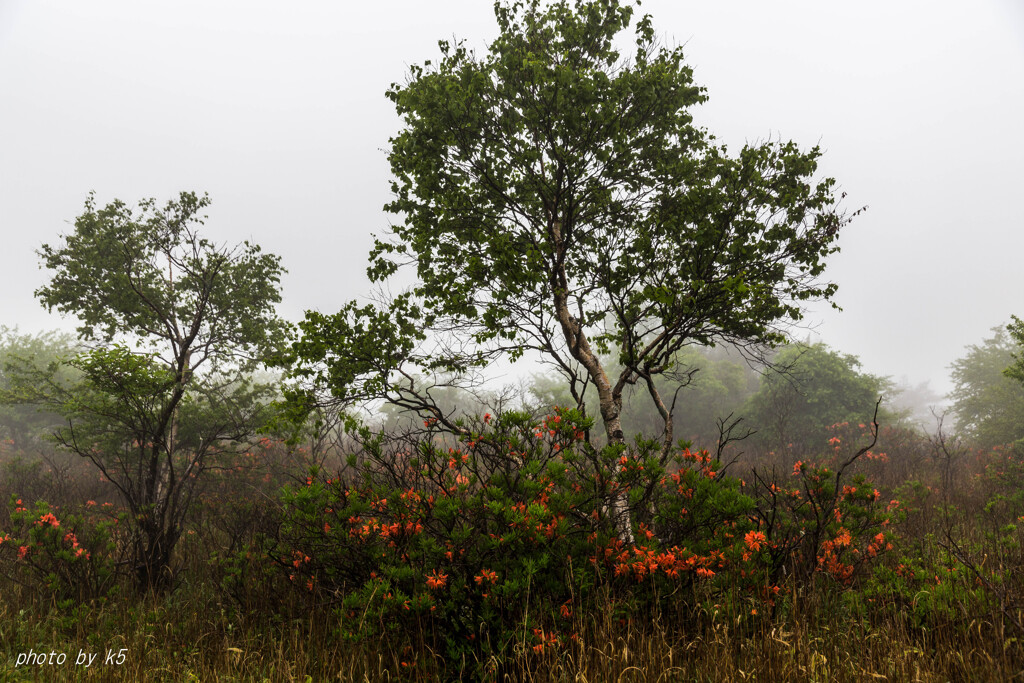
[[987, 401], [1016, 330], [815, 387], [175, 323], [22, 426]]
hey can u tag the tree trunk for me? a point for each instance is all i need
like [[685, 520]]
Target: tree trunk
[[610, 401], [153, 550]]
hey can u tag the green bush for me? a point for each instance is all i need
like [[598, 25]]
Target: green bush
[[73, 557], [505, 536]]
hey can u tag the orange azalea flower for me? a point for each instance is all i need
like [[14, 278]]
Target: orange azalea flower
[[487, 575], [48, 518], [755, 539], [436, 580]]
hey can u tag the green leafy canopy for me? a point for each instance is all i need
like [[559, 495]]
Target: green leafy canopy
[[148, 274], [554, 196]]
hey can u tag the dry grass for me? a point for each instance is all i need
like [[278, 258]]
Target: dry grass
[[187, 637]]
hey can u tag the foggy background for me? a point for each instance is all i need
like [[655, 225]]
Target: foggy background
[[278, 111]]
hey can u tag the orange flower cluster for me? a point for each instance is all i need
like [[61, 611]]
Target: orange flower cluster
[[641, 561], [685, 492], [549, 530], [702, 458], [50, 519], [878, 543], [549, 640], [79, 551], [373, 527], [828, 561], [829, 558], [881, 457], [435, 580], [549, 428], [486, 576], [755, 540]]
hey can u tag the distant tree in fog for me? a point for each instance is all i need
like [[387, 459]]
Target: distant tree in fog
[[26, 426], [918, 404], [817, 387], [1016, 330], [987, 400]]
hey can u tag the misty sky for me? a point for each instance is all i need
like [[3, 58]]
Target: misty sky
[[278, 111]]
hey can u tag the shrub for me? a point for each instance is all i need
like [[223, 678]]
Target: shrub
[[73, 556], [502, 536]]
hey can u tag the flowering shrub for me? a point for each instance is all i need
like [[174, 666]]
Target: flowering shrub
[[1001, 471], [461, 533], [826, 518], [507, 529], [68, 557]]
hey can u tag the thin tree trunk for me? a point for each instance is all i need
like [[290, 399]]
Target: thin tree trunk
[[610, 401]]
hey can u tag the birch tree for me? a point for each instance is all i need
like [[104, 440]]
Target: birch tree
[[553, 197]]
